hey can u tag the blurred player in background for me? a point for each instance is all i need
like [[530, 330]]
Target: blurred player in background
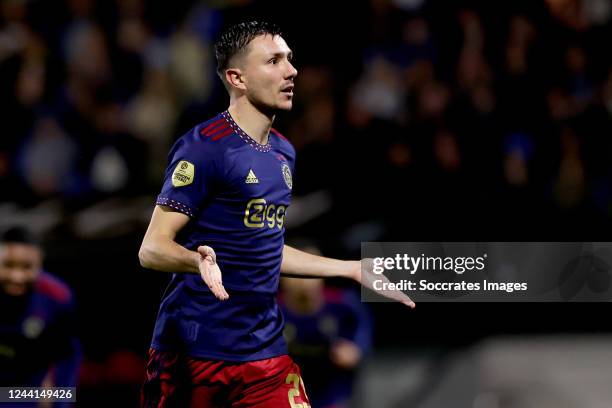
[[38, 343], [219, 227], [328, 332]]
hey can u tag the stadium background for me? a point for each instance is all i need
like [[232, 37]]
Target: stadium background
[[414, 120]]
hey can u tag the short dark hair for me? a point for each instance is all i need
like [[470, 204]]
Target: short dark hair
[[19, 235], [235, 39]]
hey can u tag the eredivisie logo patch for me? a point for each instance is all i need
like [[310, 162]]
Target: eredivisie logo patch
[[183, 174]]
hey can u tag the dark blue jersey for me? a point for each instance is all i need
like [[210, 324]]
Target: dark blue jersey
[[236, 193], [37, 336]]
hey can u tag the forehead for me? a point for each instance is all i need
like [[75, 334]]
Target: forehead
[[20, 251], [268, 45]]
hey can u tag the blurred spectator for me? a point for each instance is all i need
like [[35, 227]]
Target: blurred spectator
[[38, 346], [379, 92], [48, 159], [328, 332], [570, 186]]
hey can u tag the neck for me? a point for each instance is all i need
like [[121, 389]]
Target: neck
[[253, 121]]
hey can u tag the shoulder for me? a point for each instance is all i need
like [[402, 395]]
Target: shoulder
[[53, 288], [216, 129], [278, 138], [282, 143], [210, 137]]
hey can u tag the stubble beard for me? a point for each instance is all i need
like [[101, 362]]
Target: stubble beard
[[270, 110]]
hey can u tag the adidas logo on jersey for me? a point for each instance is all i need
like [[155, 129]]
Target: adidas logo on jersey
[[251, 178]]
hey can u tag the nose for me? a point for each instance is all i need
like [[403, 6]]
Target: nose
[[292, 72], [18, 276]]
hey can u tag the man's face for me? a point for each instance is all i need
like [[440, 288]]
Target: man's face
[[268, 73], [20, 265]]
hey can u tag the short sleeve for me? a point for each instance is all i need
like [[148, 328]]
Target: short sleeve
[[188, 177]]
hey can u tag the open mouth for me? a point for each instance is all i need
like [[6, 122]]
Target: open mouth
[[288, 90]]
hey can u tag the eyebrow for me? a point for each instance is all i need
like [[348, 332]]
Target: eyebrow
[[282, 54]]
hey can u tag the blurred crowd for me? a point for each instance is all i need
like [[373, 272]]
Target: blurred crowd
[[463, 118], [92, 93], [421, 111], [413, 120]]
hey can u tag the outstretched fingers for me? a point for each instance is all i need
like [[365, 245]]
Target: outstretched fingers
[[211, 274], [367, 279], [396, 294]]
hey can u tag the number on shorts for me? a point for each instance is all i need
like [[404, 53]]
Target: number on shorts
[[295, 391]]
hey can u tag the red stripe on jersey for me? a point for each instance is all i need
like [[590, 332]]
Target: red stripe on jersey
[[217, 130], [53, 288], [223, 134], [278, 134], [212, 125]]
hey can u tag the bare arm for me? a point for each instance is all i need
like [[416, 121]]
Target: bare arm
[[160, 251], [301, 264]]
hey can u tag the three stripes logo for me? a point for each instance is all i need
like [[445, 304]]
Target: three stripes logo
[[251, 178]]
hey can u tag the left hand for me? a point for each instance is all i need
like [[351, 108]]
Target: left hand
[[366, 277]]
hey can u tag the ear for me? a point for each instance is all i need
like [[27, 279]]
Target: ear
[[234, 77]]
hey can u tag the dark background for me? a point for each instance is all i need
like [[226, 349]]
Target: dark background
[[413, 121]]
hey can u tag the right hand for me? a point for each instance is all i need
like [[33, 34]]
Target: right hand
[[364, 274], [210, 272]]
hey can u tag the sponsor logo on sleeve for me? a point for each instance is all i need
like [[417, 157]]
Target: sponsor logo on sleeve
[[183, 174]]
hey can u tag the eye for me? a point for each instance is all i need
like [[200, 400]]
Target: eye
[[272, 61]]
